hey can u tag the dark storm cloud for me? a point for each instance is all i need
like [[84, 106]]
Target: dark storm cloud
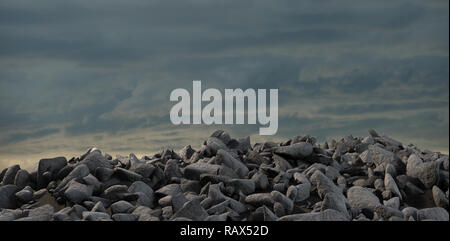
[[83, 69], [373, 108], [422, 75], [115, 31], [249, 72], [16, 137]]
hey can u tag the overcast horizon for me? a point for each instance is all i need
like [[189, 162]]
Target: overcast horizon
[[75, 74]]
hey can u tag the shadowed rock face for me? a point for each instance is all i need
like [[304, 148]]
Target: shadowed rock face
[[355, 178]]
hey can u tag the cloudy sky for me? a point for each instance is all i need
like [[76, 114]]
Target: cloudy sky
[[75, 74]]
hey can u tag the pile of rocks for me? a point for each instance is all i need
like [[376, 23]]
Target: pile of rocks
[[371, 178]]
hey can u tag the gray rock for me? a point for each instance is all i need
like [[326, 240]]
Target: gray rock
[[61, 174], [336, 202], [183, 219], [104, 201], [145, 192], [50, 165], [215, 144], [10, 175], [7, 198], [327, 215], [361, 218], [78, 172], [172, 169], [127, 175], [178, 202], [439, 197], [104, 174], [291, 192], [222, 135], [143, 169], [193, 171], [167, 212], [145, 214], [22, 178], [165, 201], [76, 212], [396, 218], [379, 184], [323, 184], [295, 151], [186, 153], [89, 205], [255, 158], [99, 207], [362, 198], [303, 192], [40, 193], [360, 182], [287, 203], [215, 196], [236, 206], [426, 172], [92, 181], [45, 210], [214, 218], [35, 218], [77, 192], [437, 214], [443, 178], [263, 213], [303, 189], [412, 189], [389, 142], [377, 155], [332, 173], [350, 158], [391, 170], [121, 207], [115, 192], [95, 216], [280, 163], [219, 208], [125, 217], [190, 186], [134, 160], [140, 186], [228, 160], [261, 181], [192, 210], [392, 203], [260, 199], [2, 174], [90, 150], [11, 214], [25, 195], [169, 190], [373, 133], [386, 212], [391, 186], [445, 164], [94, 160], [246, 186], [410, 212], [279, 209]]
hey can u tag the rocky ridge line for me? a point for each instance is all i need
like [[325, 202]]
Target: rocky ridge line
[[359, 179]]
